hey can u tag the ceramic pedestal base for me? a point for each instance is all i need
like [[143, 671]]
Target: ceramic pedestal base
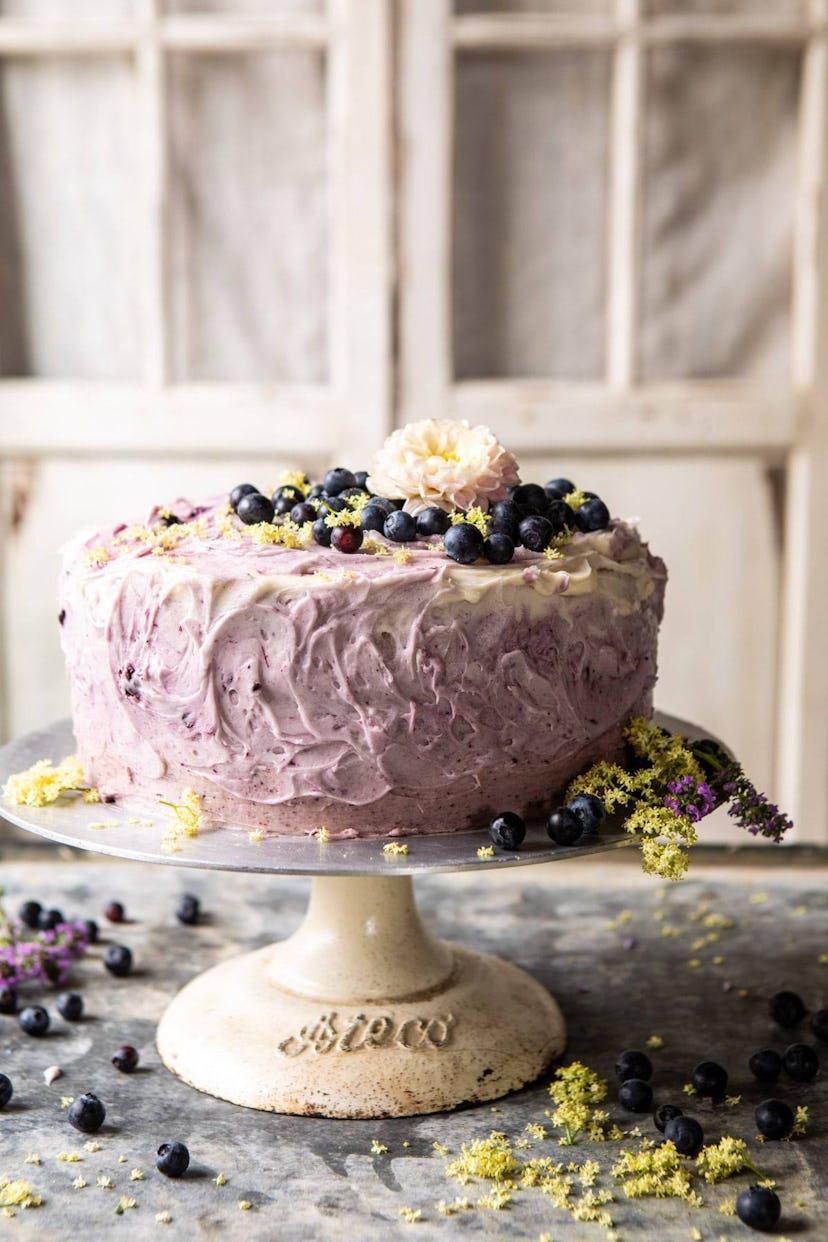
[[361, 1013]]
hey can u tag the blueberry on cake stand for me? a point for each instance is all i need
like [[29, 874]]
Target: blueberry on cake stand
[[363, 1011]]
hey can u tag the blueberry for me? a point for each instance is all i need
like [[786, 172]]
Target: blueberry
[[287, 496], [86, 1113], [507, 830], [242, 489], [819, 1025], [346, 538], [172, 1159], [6, 1090], [635, 1095], [506, 518], [400, 527], [254, 508], [787, 1009], [498, 549], [564, 827], [303, 512], [361, 479], [759, 1208], [29, 913], [125, 1059], [322, 532], [592, 515], [765, 1065], [114, 912], [8, 1000], [70, 1006], [48, 920], [432, 521], [536, 533], [118, 960], [589, 810], [337, 480], [774, 1119], [187, 910], [351, 492], [464, 543], [373, 517], [560, 515], [665, 1113], [531, 498], [800, 1062], [316, 491], [710, 1080], [632, 1064], [91, 928], [34, 1020], [685, 1134], [556, 489]]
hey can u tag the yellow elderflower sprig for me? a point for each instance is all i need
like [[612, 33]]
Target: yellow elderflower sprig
[[800, 1121], [17, 1193], [473, 517], [401, 556], [342, 517], [656, 1172], [186, 821], [123, 1205], [69, 1157], [485, 851], [491, 1158], [378, 1148], [79, 1182], [220, 1179], [537, 1131], [451, 1209], [590, 1208], [575, 498], [412, 1216], [136, 1175], [394, 849], [322, 834], [496, 1199], [655, 1042], [718, 1161], [575, 1091], [96, 557], [297, 479], [91, 1145], [104, 1182], [44, 782], [244, 1205]]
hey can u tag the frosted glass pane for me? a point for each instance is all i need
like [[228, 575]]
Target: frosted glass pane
[[719, 172], [777, 9], [529, 214], [68, 224], [249, 216], [68, 10], [262, 7], [533, 6]]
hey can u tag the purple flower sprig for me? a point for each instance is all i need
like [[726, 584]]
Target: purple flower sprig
[[44, 958], [750, 808], [687, 796]]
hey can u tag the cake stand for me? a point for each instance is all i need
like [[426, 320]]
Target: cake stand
[[363, 1011]]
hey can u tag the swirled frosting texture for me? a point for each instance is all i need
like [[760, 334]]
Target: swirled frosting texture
[[296, 688]]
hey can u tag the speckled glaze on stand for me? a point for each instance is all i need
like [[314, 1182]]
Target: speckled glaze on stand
[[362, 1012]]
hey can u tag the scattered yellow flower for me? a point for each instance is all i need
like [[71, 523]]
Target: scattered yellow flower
[[393, 849], [378, 1148], [486, 851]]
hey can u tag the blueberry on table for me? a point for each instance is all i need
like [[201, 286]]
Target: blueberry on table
[[498, 549], [242, 489], [556, 489], [346, 538], [464, 543], [91, 928], [432, 521], [48, 920], [114, 912], [589, 810], [535, 533], [34, 1020], [765, 1064], [6, 1090], [633, 1064], [70, 1006], [787, 1009], [685, 1134], [118, 960], [254, 508], [8, 1000], [635, 1095], [86, 1113], [819, 1025], [800, 1062], [125, 1058], [172, 1159], [322, 532], [337, 480], [774, 1119], [400, 527], [592, 515], [530, 497], [759, 1208], [564, 827], [507, 831], [665, 1113], [188, 909], [29, 914], [710, 1080]]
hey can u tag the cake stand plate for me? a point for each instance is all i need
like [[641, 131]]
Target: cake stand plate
[[362, 1012]]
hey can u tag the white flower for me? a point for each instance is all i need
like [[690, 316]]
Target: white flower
[[444, 463]]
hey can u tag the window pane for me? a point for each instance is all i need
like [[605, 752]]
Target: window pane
[[533, 6], [264, 7], [719, 166], [249, 216], [67, 226], [778, 9], [529, 214], [61, 11]]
